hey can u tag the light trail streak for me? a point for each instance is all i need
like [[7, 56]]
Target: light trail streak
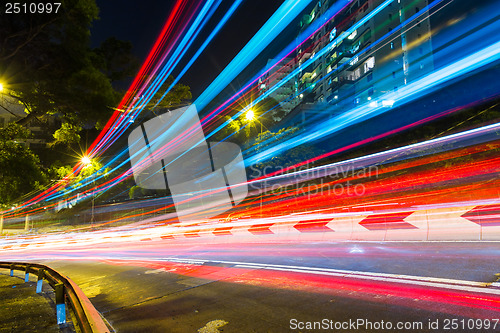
[[216, 30], [426, 85], [409, 93], [279, 21]]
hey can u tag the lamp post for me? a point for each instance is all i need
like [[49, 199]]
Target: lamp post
[[251, 117], [86, 161]]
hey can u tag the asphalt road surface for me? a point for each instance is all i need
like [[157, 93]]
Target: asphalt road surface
[[163, 286]]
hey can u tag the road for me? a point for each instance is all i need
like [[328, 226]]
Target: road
[[158, 286]]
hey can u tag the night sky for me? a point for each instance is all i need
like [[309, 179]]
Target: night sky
[[140, 21]]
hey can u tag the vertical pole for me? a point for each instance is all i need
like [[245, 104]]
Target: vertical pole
[[27, 273], [27, 223], [39, 283], [60, 304], [261, 192], [11, 270], [1, 224]]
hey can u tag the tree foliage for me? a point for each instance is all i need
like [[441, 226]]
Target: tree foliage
[[177, 96], [287, 158], [67, 134], [19, 167], [47, 64], [243, 131], [114, 58]]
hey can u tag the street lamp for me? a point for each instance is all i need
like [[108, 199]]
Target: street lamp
[[86, 161], [1, 87], [250, 117]]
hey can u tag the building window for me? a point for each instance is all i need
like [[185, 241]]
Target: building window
[[369, 64], [333, 33]]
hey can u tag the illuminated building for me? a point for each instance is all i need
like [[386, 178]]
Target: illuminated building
[[389, 50]]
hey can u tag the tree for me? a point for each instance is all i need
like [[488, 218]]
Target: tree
[[47, 65], [243, 131], [284, 159], [67, 134], [19, 167], [177, 96], [114, 58]]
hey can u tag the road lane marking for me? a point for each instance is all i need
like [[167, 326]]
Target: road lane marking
[[463, 285]]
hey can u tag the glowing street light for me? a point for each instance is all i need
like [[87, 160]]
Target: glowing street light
[[1, 86], [86, 160], [250, 115]]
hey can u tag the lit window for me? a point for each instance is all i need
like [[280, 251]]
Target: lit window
[[353, 35], [353, 60], [370, 63], [333, 33], [388, 103]]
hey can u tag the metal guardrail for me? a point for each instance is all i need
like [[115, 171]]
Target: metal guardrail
[[87, 317]]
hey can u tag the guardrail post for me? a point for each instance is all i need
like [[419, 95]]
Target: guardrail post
[[27, 223], [39, 283], [27, 273], [60, 304], [11, 270]]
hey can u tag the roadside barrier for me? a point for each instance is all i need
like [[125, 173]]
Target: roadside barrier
[[67, 292]]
